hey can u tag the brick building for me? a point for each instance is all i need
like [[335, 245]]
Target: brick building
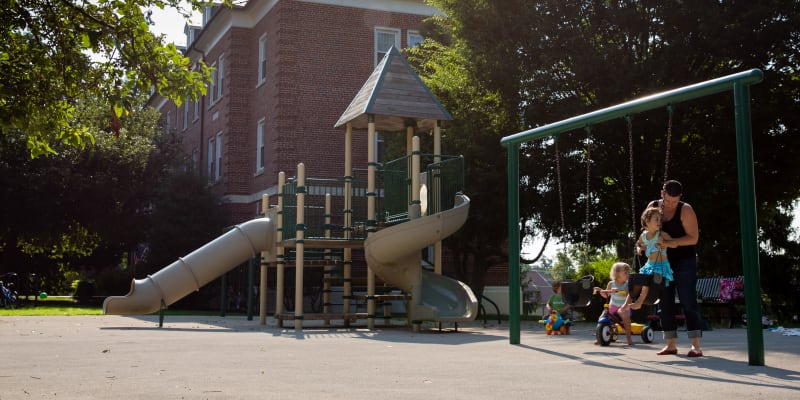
[[284, 72]]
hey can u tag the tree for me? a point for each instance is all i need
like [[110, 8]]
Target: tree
[[502, 67], [54, 54], [79, 212]]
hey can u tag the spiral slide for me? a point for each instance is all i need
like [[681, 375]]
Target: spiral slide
[[394, 253], [200, 267]]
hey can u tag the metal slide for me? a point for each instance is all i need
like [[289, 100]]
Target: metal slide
[[200, 267], [394, 253]]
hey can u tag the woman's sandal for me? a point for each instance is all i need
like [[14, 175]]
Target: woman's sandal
[[695, 353], [666, 352]]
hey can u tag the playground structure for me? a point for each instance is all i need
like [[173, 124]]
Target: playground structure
[[739, 83], [392, 211]]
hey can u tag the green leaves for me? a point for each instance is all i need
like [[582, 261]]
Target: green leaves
[[54, 54]]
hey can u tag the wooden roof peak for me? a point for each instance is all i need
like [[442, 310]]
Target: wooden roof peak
[[396, 96]]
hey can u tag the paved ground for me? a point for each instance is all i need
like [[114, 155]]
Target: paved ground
[[113, 357]]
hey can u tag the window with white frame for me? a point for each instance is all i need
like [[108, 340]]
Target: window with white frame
[[212, 86], [212, 157], [414, 38], [385, 38], [262, 59], [220, 76], [219, 157], [186, 113], [260, 148], [217, 81]]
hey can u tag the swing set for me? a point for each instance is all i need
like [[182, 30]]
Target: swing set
[[638, 281], [588, 156], [739, 83]]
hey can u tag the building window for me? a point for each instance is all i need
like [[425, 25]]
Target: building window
[[414, 38], [186, 113], [262, 59], [385, 38], [196, 160], [212, 86], [218, 175], [380, 148], [212, 157], [260, 146], [220, 76], [217, 81]]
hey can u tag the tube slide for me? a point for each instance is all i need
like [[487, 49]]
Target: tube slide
[[200, 267], [394, 254]]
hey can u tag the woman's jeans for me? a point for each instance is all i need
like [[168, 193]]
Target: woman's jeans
[[685, 285]]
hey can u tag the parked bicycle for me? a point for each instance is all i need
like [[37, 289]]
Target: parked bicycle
[[10, 296]]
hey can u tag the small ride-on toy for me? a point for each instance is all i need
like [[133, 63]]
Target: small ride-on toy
[[609, 328], [575, 294], [609, 325]]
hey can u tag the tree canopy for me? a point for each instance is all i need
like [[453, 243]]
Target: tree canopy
[[55, 53], [79, 212], [504, 67]]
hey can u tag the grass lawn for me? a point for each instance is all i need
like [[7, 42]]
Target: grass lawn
[[65, 306], [51, 307]]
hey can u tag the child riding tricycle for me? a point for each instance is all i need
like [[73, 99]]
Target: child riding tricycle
[[621, 292], [567, 295]]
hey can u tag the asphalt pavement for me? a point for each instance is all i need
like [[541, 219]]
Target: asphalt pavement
[[197, 357]]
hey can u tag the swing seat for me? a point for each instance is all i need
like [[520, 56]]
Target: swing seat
[[578, 294], [655, 282]]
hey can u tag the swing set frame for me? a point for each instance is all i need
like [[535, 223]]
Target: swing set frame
[[739, 83]]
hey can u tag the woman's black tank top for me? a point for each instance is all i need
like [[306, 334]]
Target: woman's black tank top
[[674, 228]]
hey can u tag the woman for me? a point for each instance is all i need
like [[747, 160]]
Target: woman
[[680, 222]]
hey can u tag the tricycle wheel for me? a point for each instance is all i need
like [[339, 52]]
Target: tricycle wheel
[[605, 334], [647, 335]]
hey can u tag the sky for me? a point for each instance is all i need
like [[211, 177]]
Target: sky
[[171, 23]]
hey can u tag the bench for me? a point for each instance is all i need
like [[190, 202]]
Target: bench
[[723, 294]]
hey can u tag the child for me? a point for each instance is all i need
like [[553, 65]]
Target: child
[[652, 242], [556, 303], [619, 301]]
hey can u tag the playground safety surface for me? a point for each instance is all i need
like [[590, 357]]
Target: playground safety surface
[[201, 357]]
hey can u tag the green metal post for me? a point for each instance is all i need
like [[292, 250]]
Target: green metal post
[[250, 281], [747, 214], [513, 244]]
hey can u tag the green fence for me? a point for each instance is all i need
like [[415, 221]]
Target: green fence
[[444, 178]]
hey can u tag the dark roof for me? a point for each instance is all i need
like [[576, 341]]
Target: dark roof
[[396, 96]]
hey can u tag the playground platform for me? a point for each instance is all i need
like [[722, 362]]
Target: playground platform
[[200, 357]]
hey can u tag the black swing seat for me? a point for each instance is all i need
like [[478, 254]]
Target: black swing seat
[[655, 282], [578, 293]]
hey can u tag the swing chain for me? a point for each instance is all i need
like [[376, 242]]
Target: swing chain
[[588, 194], [668, 144], [629, 121], [560, 192]]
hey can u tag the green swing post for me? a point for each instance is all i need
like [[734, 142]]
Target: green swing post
[[513, 244], [739, 84], [747, 215]]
